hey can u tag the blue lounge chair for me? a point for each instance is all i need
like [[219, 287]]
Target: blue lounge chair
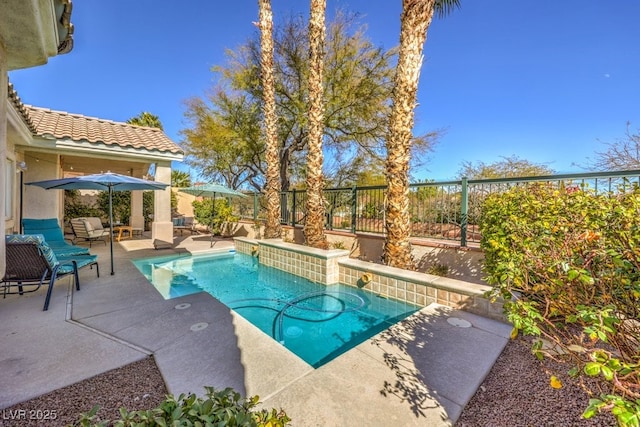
[[31, 263], [53, 235]]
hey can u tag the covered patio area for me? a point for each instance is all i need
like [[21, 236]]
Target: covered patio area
[[45, 144]]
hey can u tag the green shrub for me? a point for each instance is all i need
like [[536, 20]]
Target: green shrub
[[567, 264], [438, 269], [75, 208], [338, 244], [224, 408], [203, 210]]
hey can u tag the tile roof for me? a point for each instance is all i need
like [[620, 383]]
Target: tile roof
[[15, 100], [78, 127]]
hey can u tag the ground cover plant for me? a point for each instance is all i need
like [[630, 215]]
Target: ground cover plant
[[218, 407], [567, 262]]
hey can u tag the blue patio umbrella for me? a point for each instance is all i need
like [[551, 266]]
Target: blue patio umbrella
[[212, 190], [107, 181]]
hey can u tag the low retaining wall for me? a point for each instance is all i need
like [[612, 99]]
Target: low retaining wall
[[335, 266], [463, 263], [317, 265], [419, 288]]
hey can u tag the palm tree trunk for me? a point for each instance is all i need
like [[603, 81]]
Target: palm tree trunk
[[272, 156], [416, 18], [314, 224]]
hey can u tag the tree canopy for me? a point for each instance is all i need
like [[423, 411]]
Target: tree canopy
[[180, 178], [508, 167], [224, 141], [621, 154]]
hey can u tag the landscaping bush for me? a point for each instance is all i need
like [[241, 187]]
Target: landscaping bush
[[567, 263], [223, 213], [75, 208], [121, 205], [224, 408]]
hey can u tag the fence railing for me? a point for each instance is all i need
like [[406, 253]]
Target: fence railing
[[447, 210]]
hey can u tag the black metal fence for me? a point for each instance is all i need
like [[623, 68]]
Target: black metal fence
[[447, 210]]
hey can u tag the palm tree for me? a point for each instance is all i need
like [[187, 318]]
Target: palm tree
[[314, 224], [272, 155], [415, 20], [180, 178], [146, 119]]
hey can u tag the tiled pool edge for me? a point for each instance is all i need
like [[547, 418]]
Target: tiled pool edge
[[314, 264], [420, 288], [335, 266]]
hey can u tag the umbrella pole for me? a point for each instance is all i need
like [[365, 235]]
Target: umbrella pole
[[111, 226], [213, 215]]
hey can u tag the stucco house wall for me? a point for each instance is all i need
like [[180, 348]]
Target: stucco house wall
[[31, 31]]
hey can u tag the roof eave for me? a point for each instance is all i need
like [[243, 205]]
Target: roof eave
[[100, 149], [16, 123], [32, 31]]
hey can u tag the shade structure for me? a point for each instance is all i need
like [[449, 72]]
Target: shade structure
[[107, 181], [212, 190]]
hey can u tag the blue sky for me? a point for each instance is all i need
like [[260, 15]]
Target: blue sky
[[548, 81]]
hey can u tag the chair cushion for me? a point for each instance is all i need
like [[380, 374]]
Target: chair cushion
[[66, 266], [49, 228], [65, 249], [95, 222], [88, 225]]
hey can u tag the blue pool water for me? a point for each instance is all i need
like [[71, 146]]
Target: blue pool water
[[316, 322]]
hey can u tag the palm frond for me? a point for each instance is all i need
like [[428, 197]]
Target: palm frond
[[445, 7]]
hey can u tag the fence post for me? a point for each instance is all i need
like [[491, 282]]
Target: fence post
[[293, 208], [354, 208], [464, 211]]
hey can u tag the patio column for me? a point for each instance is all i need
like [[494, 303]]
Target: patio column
[[137, 216], [3, 151], [162, 227]]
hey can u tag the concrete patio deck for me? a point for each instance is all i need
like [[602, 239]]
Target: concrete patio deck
[[421, 371]]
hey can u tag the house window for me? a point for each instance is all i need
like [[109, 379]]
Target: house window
[[10, 180]]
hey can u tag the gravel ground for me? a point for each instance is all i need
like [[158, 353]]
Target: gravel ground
[[515, 393], [135, 386]]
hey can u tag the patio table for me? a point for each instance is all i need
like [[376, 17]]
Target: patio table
[[126, 232]]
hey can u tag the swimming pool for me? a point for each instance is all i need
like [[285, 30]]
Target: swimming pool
[[314, 321]]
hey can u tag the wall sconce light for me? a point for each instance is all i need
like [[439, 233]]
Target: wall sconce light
[[22, 165]]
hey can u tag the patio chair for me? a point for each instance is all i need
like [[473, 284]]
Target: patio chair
[[31, 263], [185, 223], [90, 229], [53, 235]]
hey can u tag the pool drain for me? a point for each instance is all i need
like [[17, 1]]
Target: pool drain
[[459, 323], [199, 326], [182, 306]]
